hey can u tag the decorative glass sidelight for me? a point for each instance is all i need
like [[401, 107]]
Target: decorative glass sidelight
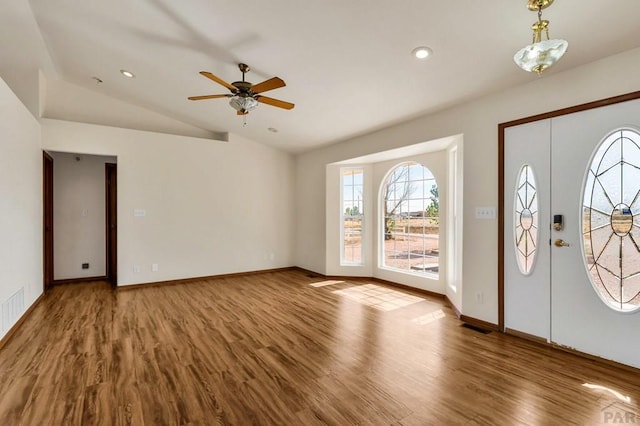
[[610, 220], [525, 220]]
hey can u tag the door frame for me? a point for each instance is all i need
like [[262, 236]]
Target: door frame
[[48, 228], [47, 221], [111, 222], [501, 198]]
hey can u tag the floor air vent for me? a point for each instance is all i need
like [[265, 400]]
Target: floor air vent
[[476, 328]]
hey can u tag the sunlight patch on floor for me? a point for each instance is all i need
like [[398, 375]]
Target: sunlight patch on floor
[[428, 318], [621, 397], [325, 283], [382, 298]]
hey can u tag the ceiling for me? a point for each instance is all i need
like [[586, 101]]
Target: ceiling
[[347, 64]]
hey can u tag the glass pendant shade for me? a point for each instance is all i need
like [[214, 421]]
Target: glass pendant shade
[[244, 104], [539, 56]]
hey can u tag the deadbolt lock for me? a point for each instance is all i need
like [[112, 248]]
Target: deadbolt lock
[[558, 222]]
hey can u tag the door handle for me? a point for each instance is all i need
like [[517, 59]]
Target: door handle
[[561, 243]]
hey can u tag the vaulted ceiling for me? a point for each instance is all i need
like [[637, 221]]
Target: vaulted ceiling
[[347, 64]]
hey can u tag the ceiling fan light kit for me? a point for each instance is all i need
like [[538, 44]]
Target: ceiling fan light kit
[[245, 96], [540, 54], [243, 104]]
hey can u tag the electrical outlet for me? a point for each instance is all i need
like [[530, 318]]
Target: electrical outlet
[[136, 268], [85, 266], [154, 267], [480, 298]]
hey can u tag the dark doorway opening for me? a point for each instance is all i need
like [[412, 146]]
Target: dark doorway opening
[[48, 226], [47, 219], [111, 191]]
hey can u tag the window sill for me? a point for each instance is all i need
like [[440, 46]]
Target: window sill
[[427, 275]]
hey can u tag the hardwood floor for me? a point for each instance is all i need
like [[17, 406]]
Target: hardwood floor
[[273, 349]]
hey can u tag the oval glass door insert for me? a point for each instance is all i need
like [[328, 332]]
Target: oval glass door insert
[[525, 220], [610, 220]]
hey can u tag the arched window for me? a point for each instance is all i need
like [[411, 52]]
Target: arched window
[[410, 225], [611, 220]]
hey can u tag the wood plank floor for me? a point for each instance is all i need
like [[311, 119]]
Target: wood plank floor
[[273, 349]]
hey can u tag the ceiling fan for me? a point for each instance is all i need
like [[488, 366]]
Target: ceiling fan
[[244, 95]]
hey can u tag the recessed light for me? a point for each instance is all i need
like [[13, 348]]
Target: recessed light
[[422, 52], [128, 74], [272, 130]]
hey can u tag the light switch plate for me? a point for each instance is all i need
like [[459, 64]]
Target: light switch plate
[[139, 212], [485, 213]]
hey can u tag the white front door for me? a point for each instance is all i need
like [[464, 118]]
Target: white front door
[[580, 319], [527, 261], [556, 299]]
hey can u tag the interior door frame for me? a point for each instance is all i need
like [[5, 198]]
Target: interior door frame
[[111, 222], [47, 220], [501, 198]]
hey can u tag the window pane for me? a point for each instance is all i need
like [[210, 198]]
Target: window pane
[[612, 155], [357, 178], [347, 178], [416, 173]]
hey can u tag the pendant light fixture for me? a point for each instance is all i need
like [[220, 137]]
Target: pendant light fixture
[[540, 54]]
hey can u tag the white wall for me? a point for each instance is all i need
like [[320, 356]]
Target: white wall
[[79, 215], [23, 43], [477, 121], [211, 207], [20, 201]]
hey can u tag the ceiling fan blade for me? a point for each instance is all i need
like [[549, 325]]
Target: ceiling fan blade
[[217, 80], [272, 83], [274, 102], [199, 98]]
